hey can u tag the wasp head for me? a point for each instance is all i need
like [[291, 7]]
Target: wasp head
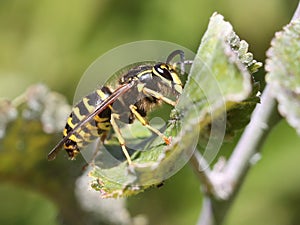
[[168, 75]]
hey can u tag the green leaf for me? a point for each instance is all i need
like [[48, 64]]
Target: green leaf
[[219, 82], [283, 66], [224, 68]]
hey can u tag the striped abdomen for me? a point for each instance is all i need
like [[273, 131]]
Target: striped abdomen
[[98, 126]]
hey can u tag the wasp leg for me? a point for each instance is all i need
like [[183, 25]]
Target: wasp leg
[[146, 124], [121, 140], [158, 96]]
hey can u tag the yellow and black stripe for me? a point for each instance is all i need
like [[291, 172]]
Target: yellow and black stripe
[[91, 130]]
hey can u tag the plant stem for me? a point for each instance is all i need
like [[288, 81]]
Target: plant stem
[[206, 216], [265, 116], [202, 170]]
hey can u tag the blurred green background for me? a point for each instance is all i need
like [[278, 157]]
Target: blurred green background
[[55, 41]]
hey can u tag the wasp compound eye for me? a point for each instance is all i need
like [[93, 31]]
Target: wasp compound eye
[[163, 70]]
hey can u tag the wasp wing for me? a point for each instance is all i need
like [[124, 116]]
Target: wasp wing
[[108, 101]]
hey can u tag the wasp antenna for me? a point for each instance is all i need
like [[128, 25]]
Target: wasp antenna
[[182, 64], [174, 54], [182, 61], [188, 62]]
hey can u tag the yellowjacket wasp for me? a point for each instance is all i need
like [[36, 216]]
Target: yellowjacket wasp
[[140, 89]]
